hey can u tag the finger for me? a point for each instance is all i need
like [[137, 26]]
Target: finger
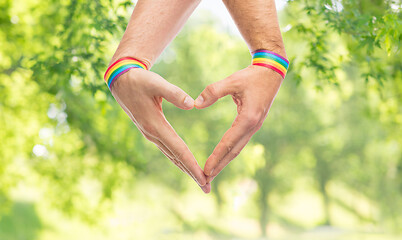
[[213, 92], [206, 188], [241, 131], [229, 157], [157, 127], [181, 152], [164, 150], [169, 155], [175, 95]]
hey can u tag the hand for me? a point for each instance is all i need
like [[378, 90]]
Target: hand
[[253, 89], [139, 93]]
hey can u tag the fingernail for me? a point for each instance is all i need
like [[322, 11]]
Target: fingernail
[[203, 188], [212, 171], [189, 102], [199, 101], [206, 188]]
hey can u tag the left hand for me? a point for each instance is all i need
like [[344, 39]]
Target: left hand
[[253, 90]]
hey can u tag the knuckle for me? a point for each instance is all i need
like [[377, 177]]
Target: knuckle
[[251, 120], [178, 164], [210, 90], [148, 137], [176, 91], [234, 82], [178, 156], [228, 148], [175, 162], [150, 129], [182, 156], [235, 153], [213, 156], [259, 125]]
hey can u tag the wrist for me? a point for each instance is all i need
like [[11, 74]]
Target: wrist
[[272, 60], [131, 47], [274, 46], [132, 54], [121, 66]]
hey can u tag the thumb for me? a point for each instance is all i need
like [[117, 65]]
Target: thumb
[[177, 96], [213, 92]]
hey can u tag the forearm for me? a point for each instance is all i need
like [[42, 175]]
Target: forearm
[[257, 21], [152, 26]]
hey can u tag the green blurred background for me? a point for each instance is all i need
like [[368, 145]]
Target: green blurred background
[[326, 164]]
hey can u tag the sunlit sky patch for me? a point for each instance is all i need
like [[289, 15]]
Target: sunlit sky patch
[[218, 9]]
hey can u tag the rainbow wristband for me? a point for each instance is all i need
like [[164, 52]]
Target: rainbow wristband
[[121, 66], [271, 60]]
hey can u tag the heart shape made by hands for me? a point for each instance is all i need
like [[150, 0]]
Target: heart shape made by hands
[[253, 89]]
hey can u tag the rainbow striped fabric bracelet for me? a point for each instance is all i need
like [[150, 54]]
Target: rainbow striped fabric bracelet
[[271, 60], [121, 66]]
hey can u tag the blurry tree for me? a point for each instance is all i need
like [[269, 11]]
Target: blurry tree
[[21, 223]]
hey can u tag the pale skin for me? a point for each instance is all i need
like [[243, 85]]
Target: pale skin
[[140, 92], [253, 89]]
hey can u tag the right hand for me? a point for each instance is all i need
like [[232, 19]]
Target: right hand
[[139, 92]]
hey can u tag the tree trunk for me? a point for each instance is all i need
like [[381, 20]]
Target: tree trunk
[[326, 202], [219, 199], [263, 210]]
